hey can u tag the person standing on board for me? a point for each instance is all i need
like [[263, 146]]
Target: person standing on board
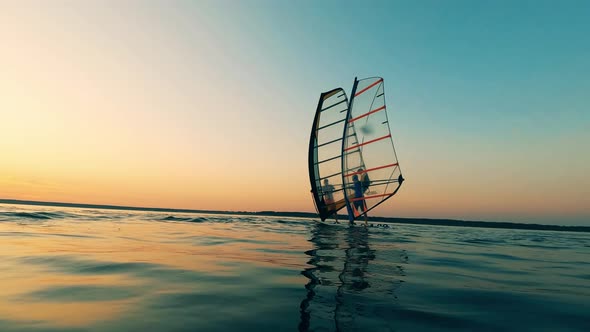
[[359, 201], [328, 190], [365, 181]]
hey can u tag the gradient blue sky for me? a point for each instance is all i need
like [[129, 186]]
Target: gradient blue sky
[[208, 104]]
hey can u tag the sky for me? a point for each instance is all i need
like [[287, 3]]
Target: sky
[[209, 104]]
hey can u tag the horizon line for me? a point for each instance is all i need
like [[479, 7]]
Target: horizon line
[[427, 221]]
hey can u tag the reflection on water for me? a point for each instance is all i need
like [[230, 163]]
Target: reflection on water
[[74, 271], [95, 271], [342, 288]]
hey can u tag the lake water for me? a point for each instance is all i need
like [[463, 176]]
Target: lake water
[[66, 269]]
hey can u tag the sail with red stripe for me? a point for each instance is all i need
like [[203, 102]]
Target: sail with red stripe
[[370, 169]]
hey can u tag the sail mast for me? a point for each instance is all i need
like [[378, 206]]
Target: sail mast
[[344, 146]]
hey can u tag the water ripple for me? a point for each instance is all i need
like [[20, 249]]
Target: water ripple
[[92, 270]]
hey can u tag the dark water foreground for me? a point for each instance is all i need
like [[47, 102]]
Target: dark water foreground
[[64, 269]]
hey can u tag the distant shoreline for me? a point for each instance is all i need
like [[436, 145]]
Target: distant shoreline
[[416, 221]]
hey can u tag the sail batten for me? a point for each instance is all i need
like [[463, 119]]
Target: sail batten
[[330, 142], [371, 196], [329, 176], [365, 143], [338, 103], [329, 159], [372, 169], [367, 88], [367, 114], [331, 124]]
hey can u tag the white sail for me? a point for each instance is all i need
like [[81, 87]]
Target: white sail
[[370, 169]]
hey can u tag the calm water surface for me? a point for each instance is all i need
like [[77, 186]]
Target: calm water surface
[[64, 269]]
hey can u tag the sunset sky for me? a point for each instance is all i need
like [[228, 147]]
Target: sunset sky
[[209, 104]]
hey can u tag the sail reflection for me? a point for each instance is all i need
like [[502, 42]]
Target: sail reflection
[[343, 291]]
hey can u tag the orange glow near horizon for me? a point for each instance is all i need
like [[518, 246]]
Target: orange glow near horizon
[[163, 106]]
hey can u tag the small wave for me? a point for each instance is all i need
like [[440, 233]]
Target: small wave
[[186, 219], [83, 293], [549, 247], [485, 241], [44, 215], [500, 256], [173, 218], [81, 266], [29, 215], [288, 222]]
